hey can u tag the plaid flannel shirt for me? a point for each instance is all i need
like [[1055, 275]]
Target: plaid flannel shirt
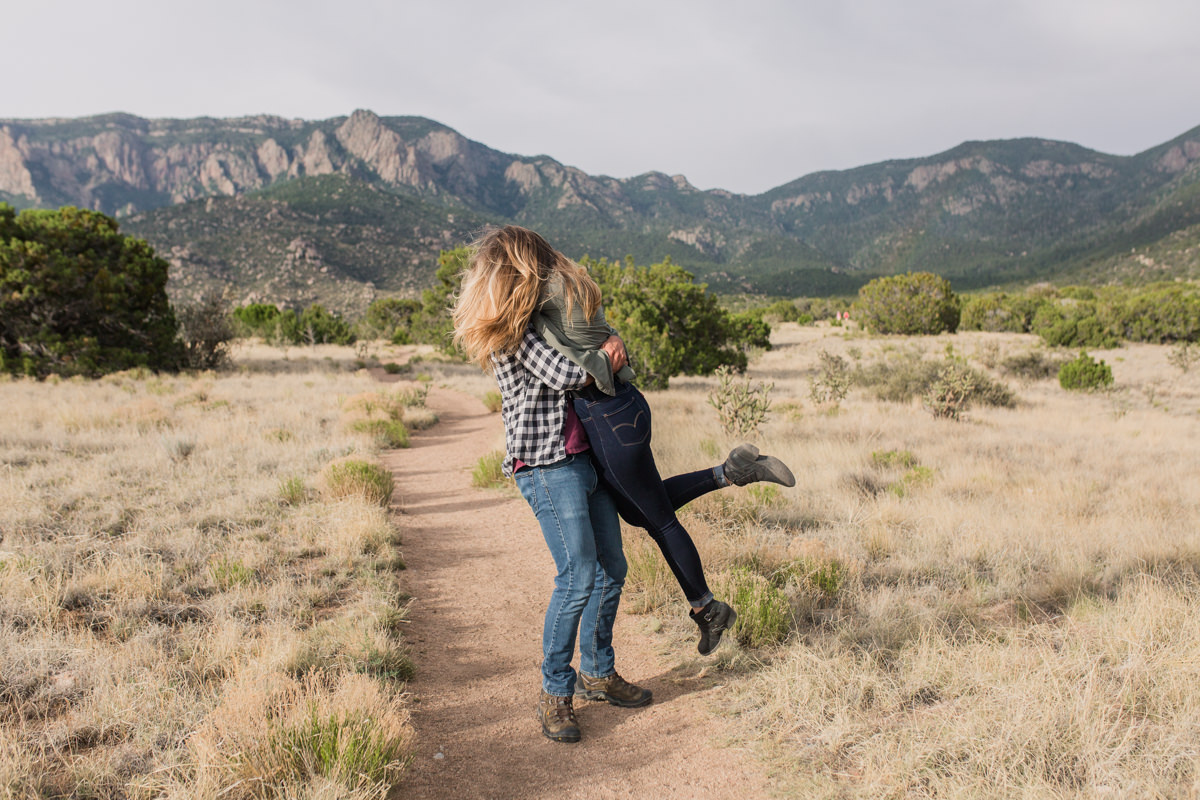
[[534, 383]]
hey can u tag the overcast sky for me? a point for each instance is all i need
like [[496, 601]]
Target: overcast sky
[[738, 95]]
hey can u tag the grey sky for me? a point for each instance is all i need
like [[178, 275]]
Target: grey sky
[[743, 96]]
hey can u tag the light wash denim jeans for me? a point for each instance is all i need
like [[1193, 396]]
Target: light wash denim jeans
[[582, 530]]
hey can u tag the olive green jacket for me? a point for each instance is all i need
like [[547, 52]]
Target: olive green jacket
[[577, 337]]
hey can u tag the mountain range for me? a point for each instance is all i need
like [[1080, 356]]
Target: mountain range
[[351, 208]]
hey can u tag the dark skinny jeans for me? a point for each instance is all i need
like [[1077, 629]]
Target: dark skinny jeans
[[618, 429]]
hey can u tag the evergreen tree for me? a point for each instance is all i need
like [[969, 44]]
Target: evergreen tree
[[670, 324], [79, 298], [432, 324]]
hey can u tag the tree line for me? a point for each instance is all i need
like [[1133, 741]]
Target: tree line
[[921, 303], [79, 298]]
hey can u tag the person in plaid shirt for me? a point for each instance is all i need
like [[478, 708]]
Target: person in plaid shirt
[[546, 452], [545, 390]]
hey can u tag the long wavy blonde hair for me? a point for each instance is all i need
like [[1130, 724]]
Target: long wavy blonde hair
[[501, 287]]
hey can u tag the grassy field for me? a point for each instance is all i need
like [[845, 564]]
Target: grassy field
[[1000, 606], [202, 591], [200, 584]]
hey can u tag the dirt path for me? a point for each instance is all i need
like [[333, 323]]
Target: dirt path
[[481, 576]]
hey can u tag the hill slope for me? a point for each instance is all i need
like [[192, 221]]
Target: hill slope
[[331, 239], [981, 213]]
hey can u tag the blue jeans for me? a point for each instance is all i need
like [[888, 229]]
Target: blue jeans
[[618, 429], [582, 530]]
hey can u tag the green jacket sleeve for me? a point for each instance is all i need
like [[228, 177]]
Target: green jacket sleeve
[[594, 361]]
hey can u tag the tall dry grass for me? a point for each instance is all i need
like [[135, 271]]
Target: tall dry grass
[[180, 605], [1004, 606]]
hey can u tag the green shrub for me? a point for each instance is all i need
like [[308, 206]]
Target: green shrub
[[1031, 365], [291, 491], [206, 331], [950, 393], [256, 319], [389, 433], [363, 479], [389, 318], [914, 478], [1158, 315], [1183, 355], [898, 377], [958, 385], [894, 458], [832, 381], [488, 472], [913, 303], [1072, 323], [392, 368], [764, 616], [227, 573], [314, 325], [991, 312], [431, 323], [320, 326], [947, 387], [740, 406], [79, 298], [785, 311], [990, 392], [348, 747], [492, 401], [1085, 374], [671, 325], [914, 475]]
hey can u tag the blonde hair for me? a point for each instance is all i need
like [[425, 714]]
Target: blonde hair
[[501, 288]]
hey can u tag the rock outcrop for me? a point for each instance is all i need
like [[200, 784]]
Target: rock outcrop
[[977, 206]]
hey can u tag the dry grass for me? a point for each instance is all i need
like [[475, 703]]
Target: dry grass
[[998, 607], [168, 571], [1003, 606]]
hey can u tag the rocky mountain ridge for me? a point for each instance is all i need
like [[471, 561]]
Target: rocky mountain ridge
[[983, 212]]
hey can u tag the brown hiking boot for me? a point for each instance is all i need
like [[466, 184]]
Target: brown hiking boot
[[558, 718], [614, 689]]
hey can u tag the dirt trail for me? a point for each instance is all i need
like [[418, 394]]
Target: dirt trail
[[481, 575]]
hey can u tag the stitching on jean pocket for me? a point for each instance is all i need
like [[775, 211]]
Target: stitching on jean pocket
[[627, 433]]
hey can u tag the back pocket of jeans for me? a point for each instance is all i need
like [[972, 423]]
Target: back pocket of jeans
[[629, 431]]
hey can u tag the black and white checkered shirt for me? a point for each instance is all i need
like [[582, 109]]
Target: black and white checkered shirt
[[533, 386]]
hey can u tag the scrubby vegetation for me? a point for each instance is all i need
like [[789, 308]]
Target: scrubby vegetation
[[312, 325], [968, 610], [672, 325], [741, 407], [181, 615], [1075, 316], [947, 386], [1084, 373], [488, 471], [832, 381], [913, 303], [207, 332]]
